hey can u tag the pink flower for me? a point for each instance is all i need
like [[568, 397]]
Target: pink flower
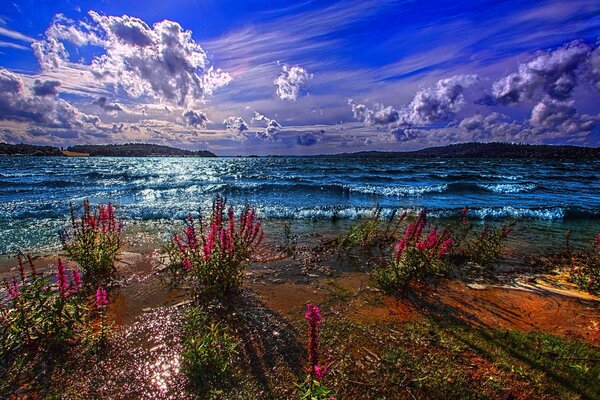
[[187, 265], [13, 289], [190, 234], [101, 299], [313, 315], [61, 279], [506, 230], [320, 372], [76, 281]]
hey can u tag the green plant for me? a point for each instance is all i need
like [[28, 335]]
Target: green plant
[[94, 242], [216, 254], [488, 245], [36, 313], [584, 267], [372, 231], [417, 256], [208, 349]]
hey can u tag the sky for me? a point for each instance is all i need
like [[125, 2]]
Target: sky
[[292, 77]]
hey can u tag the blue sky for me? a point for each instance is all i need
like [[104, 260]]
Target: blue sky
[[265, 77]]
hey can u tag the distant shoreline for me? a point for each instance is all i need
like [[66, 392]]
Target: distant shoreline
[[454, 151]]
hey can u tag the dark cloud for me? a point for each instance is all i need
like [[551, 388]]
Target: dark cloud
[[48, 111], [107, 106], [195, 118], [310, 138], [46, 88], [551, 73]]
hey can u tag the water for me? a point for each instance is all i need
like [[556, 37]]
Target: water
[[35, 192]]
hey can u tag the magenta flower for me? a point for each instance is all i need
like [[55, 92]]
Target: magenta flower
[[101, 299], [187, 264], [313, 316], [61, 279], [12, 289], [320, 372], [76, 281]]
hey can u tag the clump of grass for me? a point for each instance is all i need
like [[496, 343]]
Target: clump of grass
[[583, 266], [214, 255], [94, 242], [374, 231], [208, 350], [484, 246], [418, 255]]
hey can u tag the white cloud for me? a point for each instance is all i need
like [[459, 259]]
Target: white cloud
[[291, 81], [162, 61]]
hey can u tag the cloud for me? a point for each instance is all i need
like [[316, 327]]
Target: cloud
[[162, 61], [46, 88], [310, 138], [17, 104], [552, 73], [291, 81], [438, 103], [272, 127], [560, 118], [103, 103], [380, 116], [195, 118], [237, 127], [15, 35]]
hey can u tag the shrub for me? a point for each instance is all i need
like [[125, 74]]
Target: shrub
[[369, 232], [208, 349], [94, 242], [584, 267], [37, 313], [488, 245], [216, 254], [417, 256]]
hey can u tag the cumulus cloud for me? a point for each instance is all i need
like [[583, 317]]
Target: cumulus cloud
[[195, 118], [291, 81], [46, 88], [110, 107], [162, 61], [440, 102], [560, 118], [237, 127], [310, 138], [381, 115], [552, 73], [272, 127], [18, 104]]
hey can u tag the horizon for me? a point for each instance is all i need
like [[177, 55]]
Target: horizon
[[300, 79]]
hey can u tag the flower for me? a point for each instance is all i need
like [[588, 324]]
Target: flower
[[76, 281], [313, 316], [61, 279], [320, 372], [101, 299], [187, 265]]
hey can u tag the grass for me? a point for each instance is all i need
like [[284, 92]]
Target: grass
[[439, 359]]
